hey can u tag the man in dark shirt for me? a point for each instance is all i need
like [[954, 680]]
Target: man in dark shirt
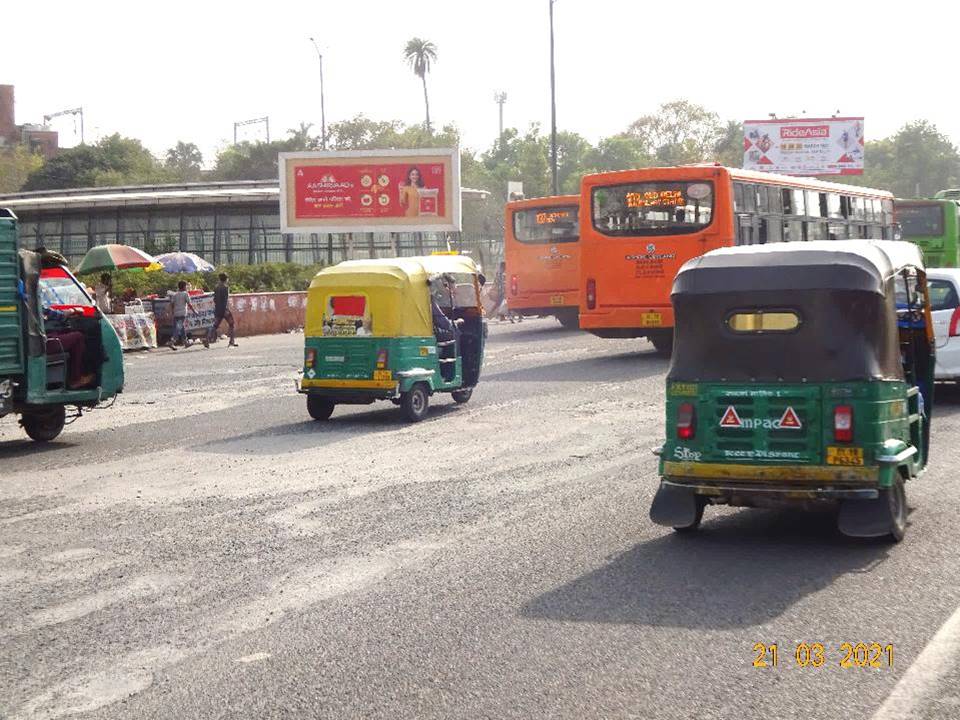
[[221, 312]]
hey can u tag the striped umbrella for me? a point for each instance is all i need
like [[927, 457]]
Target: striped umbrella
[[107, 258], [184, 262]]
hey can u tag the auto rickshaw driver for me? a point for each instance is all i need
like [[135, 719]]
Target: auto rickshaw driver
[[447, 331]]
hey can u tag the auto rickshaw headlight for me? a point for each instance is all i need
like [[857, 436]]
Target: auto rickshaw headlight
[[310, 357], [686, 421]]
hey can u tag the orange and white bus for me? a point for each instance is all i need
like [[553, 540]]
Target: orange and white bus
[[542, 253], [637, 227]]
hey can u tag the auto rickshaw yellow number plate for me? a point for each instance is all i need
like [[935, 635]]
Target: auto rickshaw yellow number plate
[[556, 299], [382, 375], [651, 319], [844, 455]]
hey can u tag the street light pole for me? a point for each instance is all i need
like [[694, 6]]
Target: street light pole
[[323, 113], [500, 98], [553, 110]]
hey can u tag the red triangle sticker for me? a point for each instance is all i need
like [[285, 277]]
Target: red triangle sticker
[[790, 420], [730, 418], [764, 160]]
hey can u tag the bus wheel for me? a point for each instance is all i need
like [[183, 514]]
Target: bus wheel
[[415, 402], [44, 424], [570, 321], [701, 504], [462, 396], [894, 501], [320, 408], [662, 342]]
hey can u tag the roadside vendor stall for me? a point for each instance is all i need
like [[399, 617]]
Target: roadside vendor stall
[[136, 327], [197, 325]]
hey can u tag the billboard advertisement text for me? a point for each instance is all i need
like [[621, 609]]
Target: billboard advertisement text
[[808, 146]]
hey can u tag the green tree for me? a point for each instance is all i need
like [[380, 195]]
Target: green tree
[[680, 132], [184, 161], [420, 54], [114, 160], [16, 165], [617, 152], [917, 161], [572, 153], [258, 160], [728, 150]]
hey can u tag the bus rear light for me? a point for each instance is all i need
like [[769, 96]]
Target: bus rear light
[[686, 421], [382, 358], [591, 294], [843, 423], [514, 285], [310, 358], [954, 321]]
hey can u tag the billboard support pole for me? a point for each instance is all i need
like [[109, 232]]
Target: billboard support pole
[[553, 110]]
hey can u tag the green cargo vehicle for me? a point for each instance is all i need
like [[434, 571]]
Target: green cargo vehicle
[[56, 349], [802, 374]]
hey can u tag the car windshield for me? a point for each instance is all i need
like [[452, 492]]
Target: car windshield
[[652, 208], [542, 225]]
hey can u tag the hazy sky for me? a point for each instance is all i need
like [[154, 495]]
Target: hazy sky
[[172, 71]]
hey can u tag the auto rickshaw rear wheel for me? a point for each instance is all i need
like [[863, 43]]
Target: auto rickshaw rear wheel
[[415, 402], [701, 504], [320, 408], [44, 424], [895, 500], [462, 396]]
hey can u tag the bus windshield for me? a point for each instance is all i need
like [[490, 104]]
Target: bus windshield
[[652, 208], [920, 220], [549, 224]]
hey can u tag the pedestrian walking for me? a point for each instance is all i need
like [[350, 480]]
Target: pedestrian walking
[[180, 304], [221, 312], [103, 293]]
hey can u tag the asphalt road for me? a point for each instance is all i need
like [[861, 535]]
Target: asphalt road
[[204, 550]]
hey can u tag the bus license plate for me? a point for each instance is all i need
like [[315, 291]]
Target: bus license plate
[[382, 375], [556, 299], [844, 455], [651, 319]]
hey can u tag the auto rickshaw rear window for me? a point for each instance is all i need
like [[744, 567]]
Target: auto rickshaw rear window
[[763, 321]]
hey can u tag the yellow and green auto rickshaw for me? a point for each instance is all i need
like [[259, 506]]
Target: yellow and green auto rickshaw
[[802, 375], [397, 329], [57, 351]]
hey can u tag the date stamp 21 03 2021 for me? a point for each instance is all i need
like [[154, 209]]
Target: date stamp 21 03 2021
[[845, 655]]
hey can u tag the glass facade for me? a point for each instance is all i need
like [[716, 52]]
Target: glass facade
[[226, 233]]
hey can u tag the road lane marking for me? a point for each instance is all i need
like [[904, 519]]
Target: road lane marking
[[256, 657], [921, 680]]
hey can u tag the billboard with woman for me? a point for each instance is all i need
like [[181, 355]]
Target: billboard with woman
[[370, 191]]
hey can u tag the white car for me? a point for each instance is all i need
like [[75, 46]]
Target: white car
[[944, 286]]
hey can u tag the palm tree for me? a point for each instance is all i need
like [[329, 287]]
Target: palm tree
[[419, 54]]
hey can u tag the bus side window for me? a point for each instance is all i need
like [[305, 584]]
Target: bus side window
[[738, 197], [837, 231], [763, 199], [771, 229], [817, 230], [787, 198], [775, 198], [792, 230], [845, 206]]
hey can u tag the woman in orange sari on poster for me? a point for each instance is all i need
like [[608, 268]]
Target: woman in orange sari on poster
[[410, 192]]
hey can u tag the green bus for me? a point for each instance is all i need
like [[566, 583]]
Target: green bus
[[932, 225]]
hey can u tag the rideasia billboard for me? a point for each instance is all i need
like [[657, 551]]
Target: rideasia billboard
[[808, 146]]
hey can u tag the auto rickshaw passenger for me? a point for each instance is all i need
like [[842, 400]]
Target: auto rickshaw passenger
[[446, 331], [71, 342]]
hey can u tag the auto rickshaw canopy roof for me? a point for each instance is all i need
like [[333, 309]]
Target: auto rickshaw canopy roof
[[397, 291], [842, 294]]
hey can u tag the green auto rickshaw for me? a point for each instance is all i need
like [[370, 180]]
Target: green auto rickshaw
[[57, 351], [396, 329], [802, 374]]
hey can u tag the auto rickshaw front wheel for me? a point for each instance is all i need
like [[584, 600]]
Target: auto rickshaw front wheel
[[415, 402], [320, 408], [44, 424]]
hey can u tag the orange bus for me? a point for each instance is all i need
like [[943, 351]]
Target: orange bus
[[639, 226], [542, 253]]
